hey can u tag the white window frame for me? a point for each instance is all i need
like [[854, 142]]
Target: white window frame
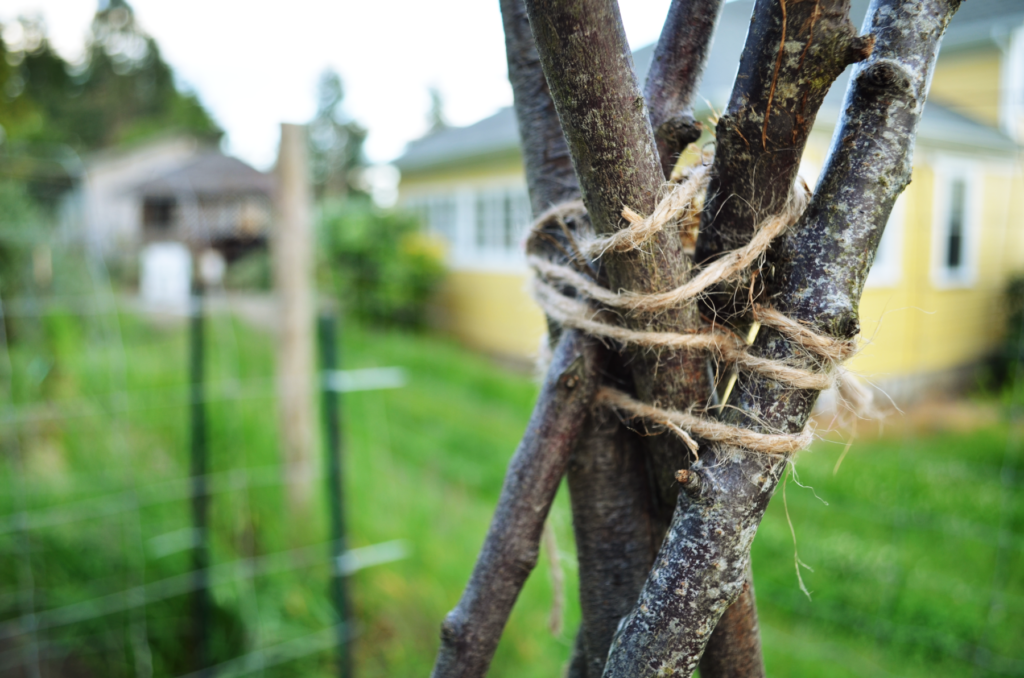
[[887, 268], [496, 205], [1011, 98], [429, 208], [948, 170], [491, 253]]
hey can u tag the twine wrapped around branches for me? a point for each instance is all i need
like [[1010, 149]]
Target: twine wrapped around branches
[[824, 355]]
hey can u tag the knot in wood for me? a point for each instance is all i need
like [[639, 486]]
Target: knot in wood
[[887, 75]]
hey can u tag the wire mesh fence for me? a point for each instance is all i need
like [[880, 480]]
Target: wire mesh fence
[[136, 486], [133, 535]]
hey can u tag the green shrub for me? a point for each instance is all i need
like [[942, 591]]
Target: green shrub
[[24, 231], [251, 272], [1013, 343], [21, 228], [1004, 363], [380, 264]]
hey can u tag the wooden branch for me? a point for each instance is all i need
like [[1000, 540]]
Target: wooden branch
[[675, 73], [550, 178], [470, 632], [734, 649], [760, 141], [549, 173], [589, 70], [679, 59], [600, 474], [821, 264], [701, 567], [588, 67], [616, 539], [821, 275], [820, 268], [793, 53]]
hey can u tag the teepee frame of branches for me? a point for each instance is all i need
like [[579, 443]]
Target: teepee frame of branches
[[665, 582]]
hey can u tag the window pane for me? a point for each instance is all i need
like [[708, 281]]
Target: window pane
[[442, 217], [955, 237], [489, 220], [520, 215], [480, 229], [436, 214], [500, 219], [509, 222], [158, 212]]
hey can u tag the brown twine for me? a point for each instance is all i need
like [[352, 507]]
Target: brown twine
[[730, 348], [679, 206], [708, 429], [673, 207], [723, 269]]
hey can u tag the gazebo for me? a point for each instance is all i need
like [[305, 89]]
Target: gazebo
[[211, 202]]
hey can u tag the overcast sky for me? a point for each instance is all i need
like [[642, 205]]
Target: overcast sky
[[255, 63]]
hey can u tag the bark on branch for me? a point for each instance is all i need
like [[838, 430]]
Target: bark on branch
[[470, 632], [616, 539], [734, 649], [675, 73], [549, 174], [589, 69], [606, 476], [793, 53], [820, 268]]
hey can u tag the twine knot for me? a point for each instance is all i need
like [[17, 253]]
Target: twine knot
[[680, 207]]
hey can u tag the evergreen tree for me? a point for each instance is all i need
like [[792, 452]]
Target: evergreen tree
[[436, 118], [123, 91], [336, 142]]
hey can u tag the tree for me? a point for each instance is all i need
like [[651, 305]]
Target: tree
[[336, 142], [436, 118], [663, 540], [123, 91]]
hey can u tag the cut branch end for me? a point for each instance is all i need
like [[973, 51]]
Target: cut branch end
[[690, 481]]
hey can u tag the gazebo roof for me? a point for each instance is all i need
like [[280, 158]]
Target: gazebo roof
[[208, 175]]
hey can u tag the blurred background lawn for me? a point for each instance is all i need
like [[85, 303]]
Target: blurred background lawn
[[917, 555]]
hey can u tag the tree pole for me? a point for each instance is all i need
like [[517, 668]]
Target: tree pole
[[776, 95], [794, 51]]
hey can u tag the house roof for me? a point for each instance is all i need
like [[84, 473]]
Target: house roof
[[977, 22], [208, 174], [981, 21]]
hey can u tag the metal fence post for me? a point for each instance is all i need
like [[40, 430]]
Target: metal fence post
[[335, 490], [200, 548]]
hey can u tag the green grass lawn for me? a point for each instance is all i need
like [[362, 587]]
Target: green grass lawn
[[917, 557]]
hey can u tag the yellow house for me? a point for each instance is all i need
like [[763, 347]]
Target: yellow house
[[931, 309]]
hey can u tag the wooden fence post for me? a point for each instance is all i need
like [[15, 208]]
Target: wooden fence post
[[292, 258]]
